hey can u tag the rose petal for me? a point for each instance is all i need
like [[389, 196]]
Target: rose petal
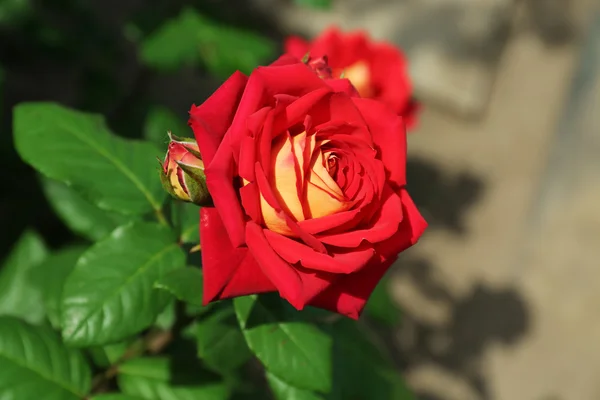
[[298, 110], [389, 73], [410, 230], [227, 271], [384, 225], [323, 196], [344, 86], [410, 113], [337, 262], [284, 177], [219, 180], [210, 120], [296, 47], [389, 137], [349, 294], [283, 275], [292, 79], [250, 197], [318, 225], [286, 59], [292, 226], [337, 109], [359, 74]]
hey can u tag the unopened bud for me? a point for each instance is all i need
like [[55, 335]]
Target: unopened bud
[[182, 172]]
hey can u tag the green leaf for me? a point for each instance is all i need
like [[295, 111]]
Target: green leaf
[[174, 43], [50, 278], [81, 216], [115, 396], [225, 49], [319, 4], [13, 12], [78, 149], [381, 307], [105, 356], [189, 221], [18, 295], [34, 364], [109, 295], [284, 391], [220, 342], [183, 283], [190, 38], [166, 319], [361, 369], [159, 121], [161, 378], [295, 351]]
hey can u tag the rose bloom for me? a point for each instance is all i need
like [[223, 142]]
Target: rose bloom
[[308, 185], [378, 70]]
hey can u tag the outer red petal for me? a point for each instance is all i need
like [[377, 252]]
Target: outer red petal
[[211, 119], [228, 272], [296, 46], [389, 136], [298, 287], [350, 293], [385, 223], [339, 262]]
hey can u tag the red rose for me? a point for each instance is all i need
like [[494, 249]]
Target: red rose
[[377, 70], [307, 183]]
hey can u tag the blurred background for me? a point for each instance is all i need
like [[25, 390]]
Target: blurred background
[[501, 298]]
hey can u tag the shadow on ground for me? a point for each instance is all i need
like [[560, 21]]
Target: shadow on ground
[[485, 317]]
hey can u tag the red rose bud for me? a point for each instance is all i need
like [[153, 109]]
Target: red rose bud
[[182, 172]]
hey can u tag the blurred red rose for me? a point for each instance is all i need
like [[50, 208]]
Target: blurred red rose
[[378, 70], [308, 185]]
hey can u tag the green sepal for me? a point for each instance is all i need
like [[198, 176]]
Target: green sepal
[[195, 182], [166, 182], [174, 138]]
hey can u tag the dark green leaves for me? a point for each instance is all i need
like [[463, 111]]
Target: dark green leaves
[[189, 218], [191, 38], [296, 352], [79, 214], [18, 294], [175, 43], [115, 396], [183, 283], [78, 149], [225, 49], [361, 369], [220, 342], [162, 379], [319, 4], [110, 293], [50, 277], [34, 364], [283, 391]]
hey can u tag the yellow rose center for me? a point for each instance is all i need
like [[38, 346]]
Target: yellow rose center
[[301, 177]]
